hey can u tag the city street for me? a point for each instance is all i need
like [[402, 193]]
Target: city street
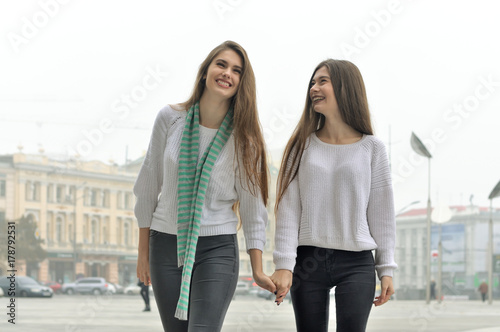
[[123, 313]]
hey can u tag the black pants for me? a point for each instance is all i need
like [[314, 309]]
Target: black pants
[[145, 294], [317, 270], [213, 281]]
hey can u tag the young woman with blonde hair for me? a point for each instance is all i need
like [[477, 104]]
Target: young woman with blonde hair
[[334, 206], [206, 163]]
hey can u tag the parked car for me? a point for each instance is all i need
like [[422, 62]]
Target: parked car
[[92, 285], [133, 289], [24, 286], [242, 288], [118, 288], [56, 287], [264, 293]]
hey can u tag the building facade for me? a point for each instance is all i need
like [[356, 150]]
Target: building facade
[[464, 241]]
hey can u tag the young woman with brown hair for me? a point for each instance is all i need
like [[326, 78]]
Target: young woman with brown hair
[[206, 163], [334, 206]]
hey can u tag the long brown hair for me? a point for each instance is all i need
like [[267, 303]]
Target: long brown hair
[[249, 141], [349, 90]]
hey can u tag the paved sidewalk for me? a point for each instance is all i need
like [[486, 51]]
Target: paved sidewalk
[[123, 313]]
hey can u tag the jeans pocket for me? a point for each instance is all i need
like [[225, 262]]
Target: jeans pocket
[[153, 233]]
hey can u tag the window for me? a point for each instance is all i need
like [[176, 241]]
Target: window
[[59, 194], [59, 223], [70, 234], [119, 200], [2, 188], [105, 198], [49, 235], [93, 197], [126, 233], [32, 191], [50, 193], [94, 236], [128, 200], [119, 231]]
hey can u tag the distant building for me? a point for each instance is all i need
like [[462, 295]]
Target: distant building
[[92, 202], [464, 242]]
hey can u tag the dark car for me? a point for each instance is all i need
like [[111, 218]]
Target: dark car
[[56, 287], [23, 286]]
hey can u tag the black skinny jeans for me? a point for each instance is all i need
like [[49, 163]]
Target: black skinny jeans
[[316, 272], [213, 281]]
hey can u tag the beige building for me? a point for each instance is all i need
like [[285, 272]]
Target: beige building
[[84, 212]]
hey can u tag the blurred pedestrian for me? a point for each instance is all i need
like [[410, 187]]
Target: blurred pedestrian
[[433, 290], [144, 294], [483, 289], [205, 166], [334, 206]]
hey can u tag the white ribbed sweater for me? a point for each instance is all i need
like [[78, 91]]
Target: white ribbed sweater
[[158, 174], [340, 199]]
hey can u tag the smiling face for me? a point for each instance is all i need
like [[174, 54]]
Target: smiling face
[[321, 93], [223, 75]]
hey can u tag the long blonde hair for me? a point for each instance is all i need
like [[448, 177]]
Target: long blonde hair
[[349, 90], [249, 141]]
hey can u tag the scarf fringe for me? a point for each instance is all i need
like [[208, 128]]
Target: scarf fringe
[[181, 314]]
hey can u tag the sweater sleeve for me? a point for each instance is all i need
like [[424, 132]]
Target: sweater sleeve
[[286, 237], [380, 212], [253, 212], [148, 185]]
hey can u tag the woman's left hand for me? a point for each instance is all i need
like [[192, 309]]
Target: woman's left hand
[[386, 291], [264, 281]]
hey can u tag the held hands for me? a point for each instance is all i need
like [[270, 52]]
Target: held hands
[[264, 281], [283, 281], [386, 291]]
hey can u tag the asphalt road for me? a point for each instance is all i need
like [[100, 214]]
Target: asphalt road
[[123, 313]]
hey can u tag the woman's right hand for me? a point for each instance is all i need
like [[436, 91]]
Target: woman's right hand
[[283, 281], [143, 257]]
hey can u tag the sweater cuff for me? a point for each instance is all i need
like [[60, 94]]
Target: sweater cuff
[[385, 271], [143, 223], [255, 244], [285, 264]]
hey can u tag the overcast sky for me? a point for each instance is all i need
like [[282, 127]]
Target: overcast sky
[[89, 77]]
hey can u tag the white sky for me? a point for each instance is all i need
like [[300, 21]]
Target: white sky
[[66, 72]]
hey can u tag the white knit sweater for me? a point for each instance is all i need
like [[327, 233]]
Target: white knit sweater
[[340, 199], [158, 174]]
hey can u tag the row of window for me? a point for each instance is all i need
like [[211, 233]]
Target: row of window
[[66, 194], [94, 230]]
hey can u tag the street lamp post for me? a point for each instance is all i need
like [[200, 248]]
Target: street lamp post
[[420, 149], [440, 215], [494, 193]]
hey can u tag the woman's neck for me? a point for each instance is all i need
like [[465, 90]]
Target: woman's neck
[[212, 111], [336, 131]]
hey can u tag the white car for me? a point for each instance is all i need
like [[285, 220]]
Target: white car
[[133, 289]]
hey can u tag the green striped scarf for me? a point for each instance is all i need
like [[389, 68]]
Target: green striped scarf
[[191, 189]]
